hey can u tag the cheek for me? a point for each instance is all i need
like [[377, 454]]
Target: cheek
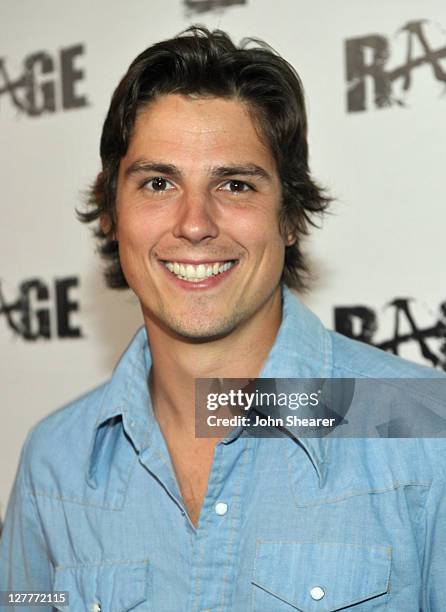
[[264, 236], [267, 254], [275, 254], [133, 231], [257, 224], [133, 244]]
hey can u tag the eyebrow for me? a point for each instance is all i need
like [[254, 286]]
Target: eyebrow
[[241, 170], [141, 166], [144, 166]]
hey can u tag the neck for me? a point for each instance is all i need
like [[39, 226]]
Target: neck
[[177, 362]]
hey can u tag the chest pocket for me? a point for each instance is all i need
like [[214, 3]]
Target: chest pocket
[[320, 577], [111, 587]]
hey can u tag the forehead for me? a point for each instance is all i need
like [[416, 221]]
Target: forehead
[[177, 124]]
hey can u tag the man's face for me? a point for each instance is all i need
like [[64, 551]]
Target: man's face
[[197, 217]]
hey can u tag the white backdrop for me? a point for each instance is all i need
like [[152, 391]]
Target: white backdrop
[[382, 157]]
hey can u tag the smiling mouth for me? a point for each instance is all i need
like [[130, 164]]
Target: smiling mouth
[[194, 273]]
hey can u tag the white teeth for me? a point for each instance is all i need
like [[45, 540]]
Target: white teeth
[[201, 271], [190, 271], [194, 273]]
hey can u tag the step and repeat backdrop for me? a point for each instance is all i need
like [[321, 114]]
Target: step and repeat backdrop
[[375, 80]]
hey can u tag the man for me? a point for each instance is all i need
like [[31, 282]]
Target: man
[[202, 200]]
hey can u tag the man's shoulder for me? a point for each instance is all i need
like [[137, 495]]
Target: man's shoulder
[[419, 386], [75, 416], [355, 359], [63, 438], [62, 449]]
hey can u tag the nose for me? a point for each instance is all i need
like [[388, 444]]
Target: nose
[[196, 219]]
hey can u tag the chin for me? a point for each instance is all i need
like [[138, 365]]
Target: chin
[[204, 331]]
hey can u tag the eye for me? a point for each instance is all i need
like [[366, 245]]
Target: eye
[[158, 184], [235, 186]]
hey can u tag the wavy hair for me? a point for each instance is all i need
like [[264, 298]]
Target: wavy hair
[[207, 63]]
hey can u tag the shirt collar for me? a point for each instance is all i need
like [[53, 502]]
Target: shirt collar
[[302, 349], [127, 393]]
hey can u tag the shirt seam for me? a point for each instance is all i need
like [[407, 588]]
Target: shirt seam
[[351, 494], [424, 577], [28, 495]]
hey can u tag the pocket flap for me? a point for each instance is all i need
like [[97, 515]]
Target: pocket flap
[[322, 577], [110, 587]]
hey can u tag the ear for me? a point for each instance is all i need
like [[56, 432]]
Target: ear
[[106, 226], [290, 238], [287, 231]]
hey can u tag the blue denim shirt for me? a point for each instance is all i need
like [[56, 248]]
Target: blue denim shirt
[[314, 524]]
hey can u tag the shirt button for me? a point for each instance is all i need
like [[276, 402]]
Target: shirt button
[[95, 607], [317, 593], [221, 508]]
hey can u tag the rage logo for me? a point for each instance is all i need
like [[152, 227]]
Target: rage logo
[[48, 83], [411, 332], [42, 311], [382, 72], [193, 7]]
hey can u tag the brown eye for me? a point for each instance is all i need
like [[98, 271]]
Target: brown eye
[[158, 184], [235, 186]]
